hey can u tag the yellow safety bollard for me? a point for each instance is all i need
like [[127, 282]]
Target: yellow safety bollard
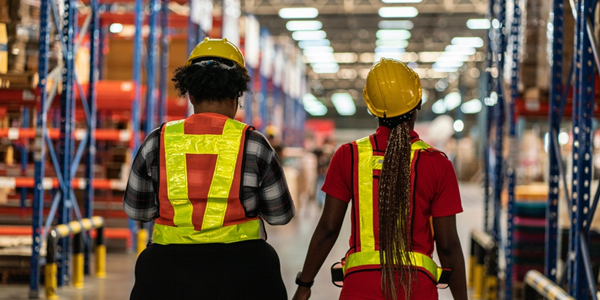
[[491, 284], [78, 260], [100, 261], [50, 279], [472, 262], [142, 239], [478, 282]]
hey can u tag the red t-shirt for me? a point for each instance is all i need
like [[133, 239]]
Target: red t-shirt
[[436, 194]]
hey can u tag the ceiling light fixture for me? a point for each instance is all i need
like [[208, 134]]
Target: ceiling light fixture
[[401, 24], [321, 68], [458, 126], [475, 42], [313, 43], [344, 104], [317, 50], [392, 43], [393, 34], [478, 24], [298, 13], [309, 35], [452, 101], [398, 12], [471, 107], [313, 106], [345, 57], [401, 1], [116, 27], [303, 25], [439, 107]]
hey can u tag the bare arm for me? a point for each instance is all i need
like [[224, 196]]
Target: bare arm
[[322, 241], [450, 253]]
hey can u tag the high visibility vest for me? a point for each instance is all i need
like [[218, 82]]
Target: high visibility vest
[[200, 174], [364, 254]]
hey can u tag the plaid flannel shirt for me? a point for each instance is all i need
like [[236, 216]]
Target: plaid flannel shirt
[[264, 189]]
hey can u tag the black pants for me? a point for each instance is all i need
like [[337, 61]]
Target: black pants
[[243, 270]]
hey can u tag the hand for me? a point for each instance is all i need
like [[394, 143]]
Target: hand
[[302, 293]]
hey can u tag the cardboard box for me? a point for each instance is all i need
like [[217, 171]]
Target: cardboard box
[[4, 13], [3, 49]]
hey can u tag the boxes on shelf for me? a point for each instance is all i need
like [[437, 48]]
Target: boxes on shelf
[[25, 80]]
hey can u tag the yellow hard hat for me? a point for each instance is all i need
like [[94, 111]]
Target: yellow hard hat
[[217, 48], [392, 89]]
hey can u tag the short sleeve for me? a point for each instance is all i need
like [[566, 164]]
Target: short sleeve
[[338, 181], [447, 200]]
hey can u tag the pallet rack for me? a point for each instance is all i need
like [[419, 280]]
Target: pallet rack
[[69, 147], [578, 273]]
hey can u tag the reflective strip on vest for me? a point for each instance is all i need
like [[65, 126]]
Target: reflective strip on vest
[[367, 162], [226, 146]]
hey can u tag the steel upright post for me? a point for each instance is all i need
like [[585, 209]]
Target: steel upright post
[[136, 107], [582, 146], [88, 198], [554, 124], [164, 61], [191, 30], [25, 113], [39, 150], [66, 142], [151, 67], [513, 160], [249, 99], [488, 122]]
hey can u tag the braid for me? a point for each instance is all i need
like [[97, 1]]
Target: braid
[[394, 215]]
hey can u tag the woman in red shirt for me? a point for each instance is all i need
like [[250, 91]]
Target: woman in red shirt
[[402, 190]]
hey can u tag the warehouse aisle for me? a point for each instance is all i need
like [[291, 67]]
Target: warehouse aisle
[[291, 242]]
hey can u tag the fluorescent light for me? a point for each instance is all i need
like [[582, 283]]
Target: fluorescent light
[[313, 106], [309, 35], [495, 23], [116, 27], [321, 58], [381, 49], [393, 34], [398, 12], [448, 56], [448, 64], [392, 43], [401, 1], [313, 43], [367, 57], [345, 57], [471, 107], [298, 13], [344, 104], [458, 126], [452, 101], [325, 67], [460, 50], [563, 138], [478, 24], [439, 107], [317, 50], [303, 25], [402, 24], [439, 69], [468, 41]]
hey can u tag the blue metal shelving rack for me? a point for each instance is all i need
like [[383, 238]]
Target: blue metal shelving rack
[[577, 274], [66, 159]]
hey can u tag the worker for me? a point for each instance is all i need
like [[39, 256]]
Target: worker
[[396, 183], [208, 182]]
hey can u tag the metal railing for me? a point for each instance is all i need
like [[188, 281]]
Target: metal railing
[[483, 266], [538, 285], [76, 228]]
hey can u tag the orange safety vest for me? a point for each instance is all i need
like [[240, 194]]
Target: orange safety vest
[[200, 176], [364, 248]]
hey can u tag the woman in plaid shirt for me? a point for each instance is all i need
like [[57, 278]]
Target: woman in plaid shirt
[[208, 182]]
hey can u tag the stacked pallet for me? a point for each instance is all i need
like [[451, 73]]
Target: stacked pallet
[[529, 238]]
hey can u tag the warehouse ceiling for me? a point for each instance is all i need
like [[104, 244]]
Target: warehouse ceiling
[[351, 27]]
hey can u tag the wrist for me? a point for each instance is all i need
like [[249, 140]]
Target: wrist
[[302, 283]]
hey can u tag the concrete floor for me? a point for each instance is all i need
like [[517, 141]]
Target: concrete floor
[[290, 241]]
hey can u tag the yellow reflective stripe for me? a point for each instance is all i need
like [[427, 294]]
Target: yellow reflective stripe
[[365, 194], [377, 162], [228, 148], [164, 234], [177, 145], [372, 258]]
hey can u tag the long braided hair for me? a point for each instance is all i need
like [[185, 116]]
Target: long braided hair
[[395, 242]]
